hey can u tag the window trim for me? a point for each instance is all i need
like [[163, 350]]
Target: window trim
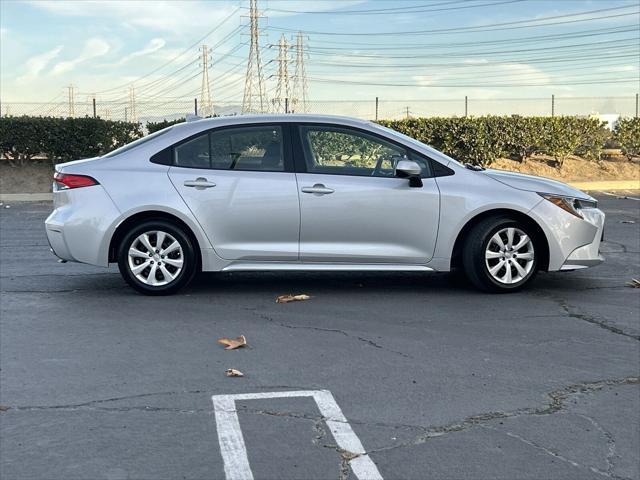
[[285, 129], [300, 154]]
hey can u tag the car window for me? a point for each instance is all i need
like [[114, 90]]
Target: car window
[[248, 148], [343, 151], [137, 143], [193, 153]]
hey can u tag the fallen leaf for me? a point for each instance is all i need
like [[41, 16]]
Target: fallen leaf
[[292, 298], [232, 372], [4, 408], [635, 283], [232, 344]]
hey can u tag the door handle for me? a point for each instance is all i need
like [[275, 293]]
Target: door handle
[[199, 183], [318, 189]]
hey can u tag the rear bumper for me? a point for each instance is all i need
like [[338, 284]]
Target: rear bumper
[[77, 226]]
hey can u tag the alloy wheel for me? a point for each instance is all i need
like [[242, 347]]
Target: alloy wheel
[[155, 258], [509, 256]]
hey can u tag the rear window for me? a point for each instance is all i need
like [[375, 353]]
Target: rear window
[[137, 143]]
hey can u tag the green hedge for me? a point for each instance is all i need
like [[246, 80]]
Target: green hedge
[[627, 135], [155, 126], [62, 139], [481, 140]]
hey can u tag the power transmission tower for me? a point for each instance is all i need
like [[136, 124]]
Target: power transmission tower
[[132, 105], [280, 101], [72, 101], [300, 88], [255, 98], [206, 107]]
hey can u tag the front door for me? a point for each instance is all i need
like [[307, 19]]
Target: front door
[[353, 208], [235, 182]]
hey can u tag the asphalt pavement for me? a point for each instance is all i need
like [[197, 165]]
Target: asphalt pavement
[[428, 378]]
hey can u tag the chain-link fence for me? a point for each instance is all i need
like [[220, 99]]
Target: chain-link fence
[[147, 111]]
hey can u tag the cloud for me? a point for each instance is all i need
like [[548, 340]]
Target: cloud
[[153, 46], [38, 63], [179, 17], [93, 48], [619, 68]]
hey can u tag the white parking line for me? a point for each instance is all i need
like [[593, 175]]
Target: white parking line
[[234, 451]]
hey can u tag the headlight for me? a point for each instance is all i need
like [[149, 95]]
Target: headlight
[[569, 204]]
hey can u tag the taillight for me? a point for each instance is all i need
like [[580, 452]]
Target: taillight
[[66, 181]]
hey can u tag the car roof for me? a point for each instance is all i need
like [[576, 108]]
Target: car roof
[[205, 123]]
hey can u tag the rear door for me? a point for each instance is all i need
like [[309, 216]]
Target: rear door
[[353, 208], [239, 183]]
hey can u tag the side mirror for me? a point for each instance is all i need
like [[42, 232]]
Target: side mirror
[[411, 170]]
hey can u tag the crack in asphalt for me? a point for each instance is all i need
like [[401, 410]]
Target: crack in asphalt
[[611, 445], [556, 402], [571, 312], [367, 341], [604, 323]]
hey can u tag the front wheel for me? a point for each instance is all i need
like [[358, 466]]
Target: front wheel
[[500, 255], [157, 258]]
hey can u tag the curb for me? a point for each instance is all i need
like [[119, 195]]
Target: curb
[[26, 197], [607, 185], [591, 186]]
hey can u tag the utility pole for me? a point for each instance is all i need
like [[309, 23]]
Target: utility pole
[[132, 105], [94, 106], [466, 106], [282, 89], [553, 105], [206, 107], [636, 105], [255, 97], [72, 101], [407, 109], [300, 88], [376, 109]]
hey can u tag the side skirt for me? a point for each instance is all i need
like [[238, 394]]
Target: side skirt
[[324, 267]]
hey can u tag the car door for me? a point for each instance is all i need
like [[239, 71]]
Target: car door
[[352, 207], [239, 183]]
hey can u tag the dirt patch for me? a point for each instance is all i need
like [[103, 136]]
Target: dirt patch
[[34, 177], [574, 169]]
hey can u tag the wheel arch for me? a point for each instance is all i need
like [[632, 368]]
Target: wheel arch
[[456, 256], [124, 226]]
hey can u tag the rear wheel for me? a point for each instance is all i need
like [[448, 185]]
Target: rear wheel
[[157, 258], [500, 255]]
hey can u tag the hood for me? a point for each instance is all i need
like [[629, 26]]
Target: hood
[[531, 183]]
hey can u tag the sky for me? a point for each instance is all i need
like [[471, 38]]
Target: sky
[[355, 50]]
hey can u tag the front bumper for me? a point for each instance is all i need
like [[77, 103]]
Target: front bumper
[[574, 243], [588, 255]]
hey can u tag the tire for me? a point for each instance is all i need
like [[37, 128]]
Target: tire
[[491, 265], [168, 268]]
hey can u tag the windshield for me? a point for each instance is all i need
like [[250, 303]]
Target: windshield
[[413, 140], [136, 143]]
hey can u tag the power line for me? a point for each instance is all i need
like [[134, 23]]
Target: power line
[[255, 99], [300, 86], [471, 85], [282, 95], [389, 11], [186, 50], [483, 28], [205, 92]]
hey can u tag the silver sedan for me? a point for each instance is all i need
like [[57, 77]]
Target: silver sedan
[[312, 193]]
